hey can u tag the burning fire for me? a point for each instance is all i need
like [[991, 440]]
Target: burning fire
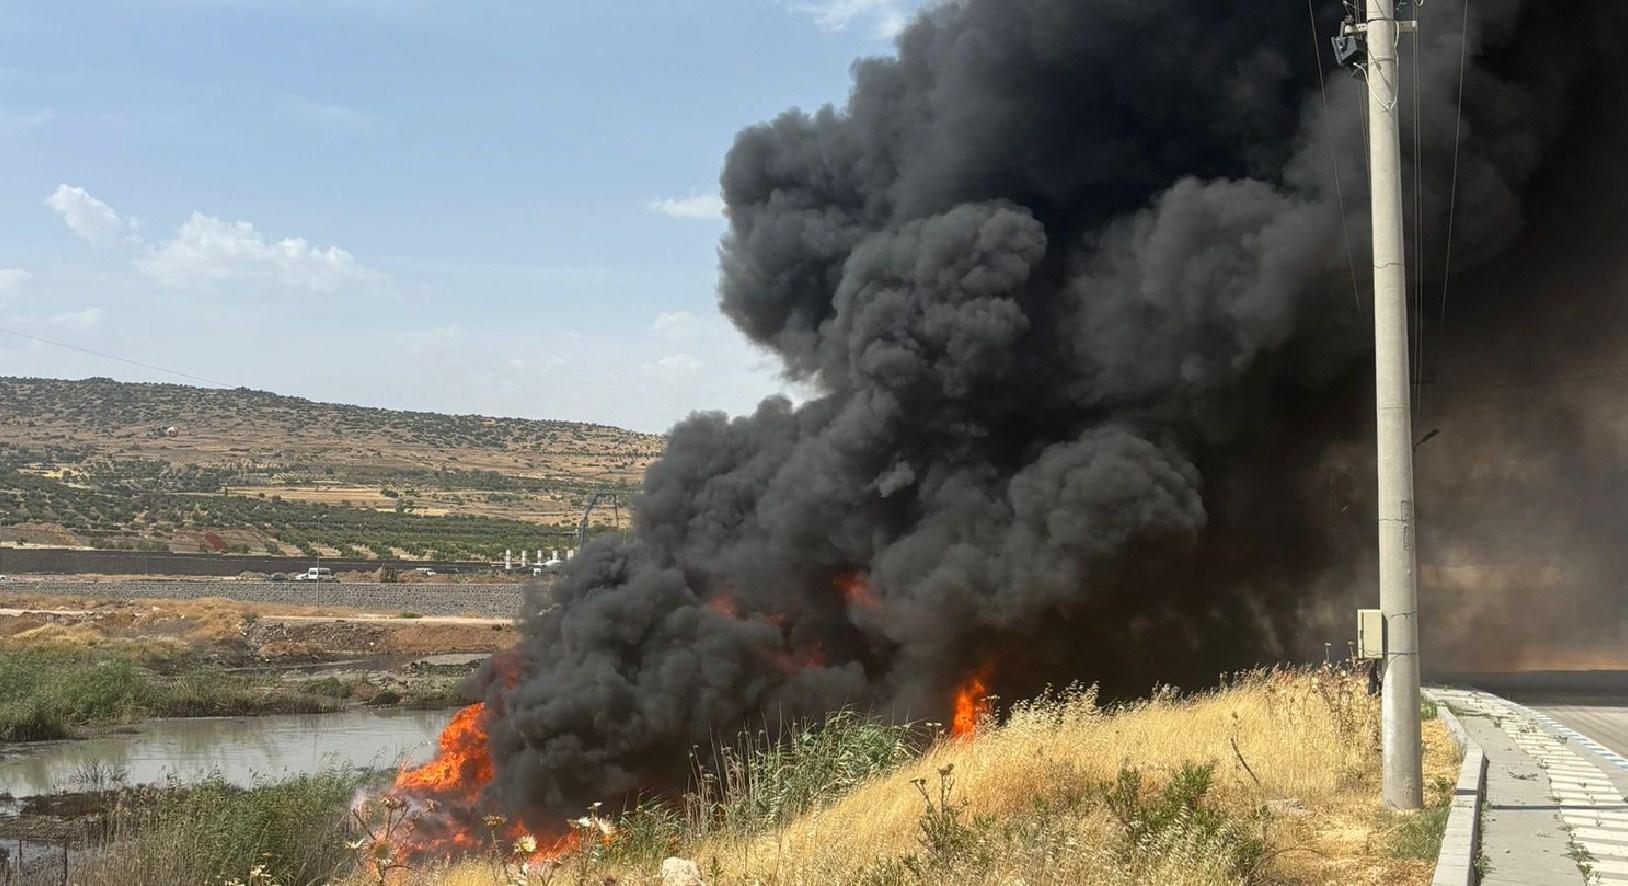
[[443, 795], [461, 767], [725, 605], [856, 589], [972, 705]]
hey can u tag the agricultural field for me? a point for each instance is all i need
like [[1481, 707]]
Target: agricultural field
[[98, 463]]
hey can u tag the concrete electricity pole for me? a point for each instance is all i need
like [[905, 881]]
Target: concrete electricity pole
[[1398, 572]]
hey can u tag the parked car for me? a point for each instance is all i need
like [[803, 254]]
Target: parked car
[[317, 573], [276, 576]]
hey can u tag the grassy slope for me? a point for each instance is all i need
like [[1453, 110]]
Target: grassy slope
[[53, 691], [1035, 801]]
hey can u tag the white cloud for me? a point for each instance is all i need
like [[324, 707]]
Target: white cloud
[[79, 319], [327, 114], [675, 326], [210, 250], [677, 363], [703, 206], [12, 281], [17, 121], [886, 17], [88, 217]]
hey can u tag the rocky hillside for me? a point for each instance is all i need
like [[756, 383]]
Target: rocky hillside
[[113, 464]]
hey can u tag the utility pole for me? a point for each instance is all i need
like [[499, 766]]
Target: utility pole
[[1398, 572]]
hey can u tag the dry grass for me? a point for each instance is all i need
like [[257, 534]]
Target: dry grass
[[221, 610], [158, 631], [1031, 802], [151, 629]]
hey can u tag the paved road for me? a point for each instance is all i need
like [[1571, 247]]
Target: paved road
[[1557, 777], [1595, 703]]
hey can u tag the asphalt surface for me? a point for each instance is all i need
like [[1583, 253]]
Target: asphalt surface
[[1595, 703], [1556, 807]]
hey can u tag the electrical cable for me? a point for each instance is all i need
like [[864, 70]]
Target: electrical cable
[[175, 372], [1334, 160], [1458, 129]]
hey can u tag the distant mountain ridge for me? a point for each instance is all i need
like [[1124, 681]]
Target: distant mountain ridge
[[124, 403], [66, 443]]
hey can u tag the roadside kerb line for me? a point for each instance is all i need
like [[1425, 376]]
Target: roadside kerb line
[[1591, 808], [1455, 862]]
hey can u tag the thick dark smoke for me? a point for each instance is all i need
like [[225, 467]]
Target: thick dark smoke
[[1094, 386]]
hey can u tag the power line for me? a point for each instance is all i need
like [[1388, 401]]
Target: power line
[[1333, 159], [1458, 129], [115, 357]]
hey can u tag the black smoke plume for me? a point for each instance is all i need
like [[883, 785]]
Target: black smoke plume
[[1070, 279]]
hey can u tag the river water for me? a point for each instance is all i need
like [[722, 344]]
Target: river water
[[241, 749]]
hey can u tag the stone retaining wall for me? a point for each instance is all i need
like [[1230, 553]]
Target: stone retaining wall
[[486, 600], [70, 562]]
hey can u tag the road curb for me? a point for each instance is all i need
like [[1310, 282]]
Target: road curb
[[1455, 863]]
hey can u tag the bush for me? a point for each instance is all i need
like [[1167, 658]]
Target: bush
[[48, 692], [205, 694], [1177, 814], [761, 781], [208, 832]]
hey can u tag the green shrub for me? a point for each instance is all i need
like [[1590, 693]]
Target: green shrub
[[763, 781], [1177, 815], [1418, 835], [330, 687], [49, 691], [646, 834], [207, 832], [206, 694]]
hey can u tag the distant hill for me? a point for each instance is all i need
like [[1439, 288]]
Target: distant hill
[[113, 464]]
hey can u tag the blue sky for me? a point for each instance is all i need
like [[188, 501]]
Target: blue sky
[[498, 207]]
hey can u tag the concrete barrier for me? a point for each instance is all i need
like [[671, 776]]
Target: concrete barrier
[[485, 600], [1455, 863]]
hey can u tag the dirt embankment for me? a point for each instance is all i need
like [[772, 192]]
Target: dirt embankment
[[340, 656], [234, 633], [502, 601]]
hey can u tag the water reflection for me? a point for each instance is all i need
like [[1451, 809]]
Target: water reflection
[[239, 748]]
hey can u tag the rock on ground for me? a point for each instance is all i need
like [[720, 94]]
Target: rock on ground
[[680, 872]]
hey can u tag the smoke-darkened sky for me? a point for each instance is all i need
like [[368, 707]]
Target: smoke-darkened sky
[[1094, 390]]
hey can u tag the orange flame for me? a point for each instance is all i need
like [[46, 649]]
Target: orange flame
[[461, 767], [972, 706], [446, 792], [793, 660], [725, 605], [856, 589]]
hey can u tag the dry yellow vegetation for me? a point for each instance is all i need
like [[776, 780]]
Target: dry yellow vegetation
[[1292, 798]]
